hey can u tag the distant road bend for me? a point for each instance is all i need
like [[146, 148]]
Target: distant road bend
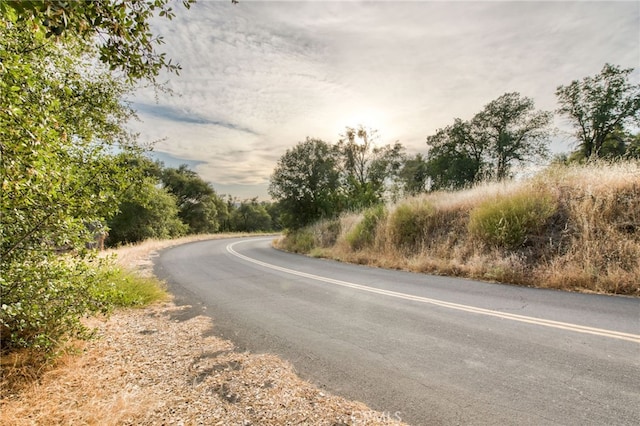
[[432, 350]]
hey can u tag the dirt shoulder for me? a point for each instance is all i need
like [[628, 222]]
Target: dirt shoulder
[[147, 366]]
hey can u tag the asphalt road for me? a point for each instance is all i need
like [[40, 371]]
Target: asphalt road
[[429, 350]]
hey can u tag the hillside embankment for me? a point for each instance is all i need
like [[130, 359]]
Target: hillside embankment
[[569, 227]]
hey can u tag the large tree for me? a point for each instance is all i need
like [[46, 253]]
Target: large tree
[[598, 106], [413, 175], [513, 132], [60, 119], [251, 216], [306, 183], [455, 158], [508, 131], [198, 204], [367, 167], [62, 116]]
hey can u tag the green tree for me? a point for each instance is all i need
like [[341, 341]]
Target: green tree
[[597, 106], [512, 132], [62, 115], [59, 117], [413, 175], [506, 132], [306, 183], [145, 212], [367, 168], [251, 216], [120, 29], [455, 158], [198, 204]]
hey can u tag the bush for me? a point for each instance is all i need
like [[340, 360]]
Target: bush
[[298, 241], [509, 220], [364, 233], [409, 224], [327, 232], [45, 301]]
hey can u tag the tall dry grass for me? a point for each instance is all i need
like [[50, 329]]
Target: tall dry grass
[[572, 228]]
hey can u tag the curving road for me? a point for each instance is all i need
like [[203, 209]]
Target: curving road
[[429, 350]]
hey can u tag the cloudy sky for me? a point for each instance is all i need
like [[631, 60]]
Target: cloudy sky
[[260, 76]]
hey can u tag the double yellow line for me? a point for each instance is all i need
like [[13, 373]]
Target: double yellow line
[[466, 308]]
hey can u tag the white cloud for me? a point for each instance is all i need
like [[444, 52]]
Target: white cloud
[[258, 77]]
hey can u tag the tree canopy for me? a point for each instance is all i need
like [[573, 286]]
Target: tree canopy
[[306, 183], [508, 131], [366, 167], [60, 117], [599, 106], [120, 30]]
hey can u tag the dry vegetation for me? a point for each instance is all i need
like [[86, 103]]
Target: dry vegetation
[[574, 228], [160, 366]]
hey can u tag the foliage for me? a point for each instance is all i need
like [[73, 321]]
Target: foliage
[[145, 212], [413, 175], [366, 167], [306, 183], [251, 216], [43, 301], [512, 131], [455, 159], [409, 223], [61, 115], [364, 233], [199, 207], [298, 241], [599, 106], [120, 29], [509, 220], [121, 288], [507, 131]]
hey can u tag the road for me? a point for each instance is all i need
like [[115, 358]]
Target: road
[[430, 350]]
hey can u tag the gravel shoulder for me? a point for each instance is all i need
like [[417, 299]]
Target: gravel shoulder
[[160, 365]]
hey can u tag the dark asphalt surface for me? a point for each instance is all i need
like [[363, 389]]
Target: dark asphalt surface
[[431, 350]]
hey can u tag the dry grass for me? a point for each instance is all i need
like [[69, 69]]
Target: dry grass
[[590, 243], [149, 367]]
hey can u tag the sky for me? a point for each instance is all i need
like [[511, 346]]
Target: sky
[[259, 77]]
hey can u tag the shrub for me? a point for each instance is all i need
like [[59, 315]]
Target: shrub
[[507, 221], [44, 302], [364, 233], [409, 224], [298, 241], [327, 232]]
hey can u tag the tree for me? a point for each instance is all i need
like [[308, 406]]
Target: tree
[[251, 216], [145, 212], [513, 132], [120, 29], [59, 118], [507, 131], [198, 204], [413, 175], [306, 183], [455, 158], [366, 168], [62, 116], [597, 106]]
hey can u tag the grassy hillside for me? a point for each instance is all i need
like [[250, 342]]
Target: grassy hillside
[[574, 228]]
